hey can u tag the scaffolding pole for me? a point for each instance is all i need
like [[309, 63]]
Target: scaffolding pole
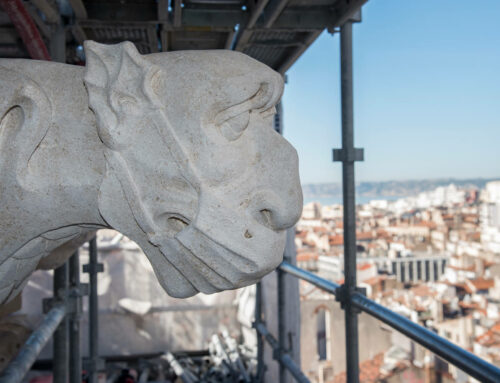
[[93, 268], [348, 155], [281, 324], [17, 369], [260, 341], [348, 190], [61, 336], [284, 359], [60, 357], [75, 357]]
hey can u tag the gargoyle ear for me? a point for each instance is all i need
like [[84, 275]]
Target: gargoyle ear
[[121, 85]]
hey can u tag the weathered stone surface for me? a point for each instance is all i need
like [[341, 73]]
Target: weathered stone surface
[[135, 314], [175, 150]]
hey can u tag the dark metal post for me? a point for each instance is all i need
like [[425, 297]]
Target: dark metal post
[[283, 358], [281, 321], [94, 364], [348, 190], [93, 270], [57, 44], [60, 350], [75, 358], [260, 341], [348, 155]]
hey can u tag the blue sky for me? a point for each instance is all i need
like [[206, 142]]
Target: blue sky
[[426, 93]]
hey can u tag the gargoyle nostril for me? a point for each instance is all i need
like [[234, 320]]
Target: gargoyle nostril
[[273, 211], [266, 218]]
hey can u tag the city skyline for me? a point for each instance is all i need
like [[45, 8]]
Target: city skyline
[[426, 93]]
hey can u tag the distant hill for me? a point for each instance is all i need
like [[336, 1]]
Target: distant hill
[[391, 188]]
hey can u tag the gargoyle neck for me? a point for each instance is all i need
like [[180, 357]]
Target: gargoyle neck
[[58, 187], [68, 166]]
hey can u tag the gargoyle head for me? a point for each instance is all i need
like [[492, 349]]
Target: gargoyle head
[[195, 175]]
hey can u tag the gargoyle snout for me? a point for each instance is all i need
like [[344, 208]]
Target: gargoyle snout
[[276, 212]]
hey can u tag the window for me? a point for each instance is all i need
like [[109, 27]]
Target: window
[[323, 334]]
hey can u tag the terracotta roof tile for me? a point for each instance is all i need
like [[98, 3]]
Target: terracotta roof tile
[[364, 266], [336, 240], [304, 257], [365, 235]]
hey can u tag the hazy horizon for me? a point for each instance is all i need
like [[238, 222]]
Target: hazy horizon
[[431, 179]]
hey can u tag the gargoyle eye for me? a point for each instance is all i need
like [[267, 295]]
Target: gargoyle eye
[[172, 223], [124, 103], [234, 127]]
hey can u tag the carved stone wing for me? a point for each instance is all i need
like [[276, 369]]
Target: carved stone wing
[[25, 116]]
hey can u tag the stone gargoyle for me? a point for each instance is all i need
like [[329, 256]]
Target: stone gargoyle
[[175, 150]]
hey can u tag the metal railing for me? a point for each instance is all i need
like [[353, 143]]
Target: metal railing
[[464, 360], [352, 300]]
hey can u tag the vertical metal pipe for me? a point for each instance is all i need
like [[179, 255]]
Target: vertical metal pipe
[[284, 359], [60, 359], [93, 311], [281, 322], [75, 358], [57, 44], [260, 341], [348, 190], [60, 347]]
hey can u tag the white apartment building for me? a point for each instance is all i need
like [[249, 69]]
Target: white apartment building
[[415, 268], [490, 217]]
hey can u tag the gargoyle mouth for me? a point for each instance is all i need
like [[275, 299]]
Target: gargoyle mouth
[[208, 265]]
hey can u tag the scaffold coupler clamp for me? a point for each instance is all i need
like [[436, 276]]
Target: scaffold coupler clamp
[[343, 296], [71, 297], [90, 269], [356, 17], [254, 325], [348, 155]]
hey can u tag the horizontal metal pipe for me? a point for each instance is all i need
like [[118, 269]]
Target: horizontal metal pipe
[[323, 284], [283, 358], [15, 371], [466, 361]]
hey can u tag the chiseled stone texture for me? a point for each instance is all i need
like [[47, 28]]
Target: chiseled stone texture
[[135, 314], [175, 150]]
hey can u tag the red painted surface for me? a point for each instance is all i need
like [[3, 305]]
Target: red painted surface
[[26, 28]]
